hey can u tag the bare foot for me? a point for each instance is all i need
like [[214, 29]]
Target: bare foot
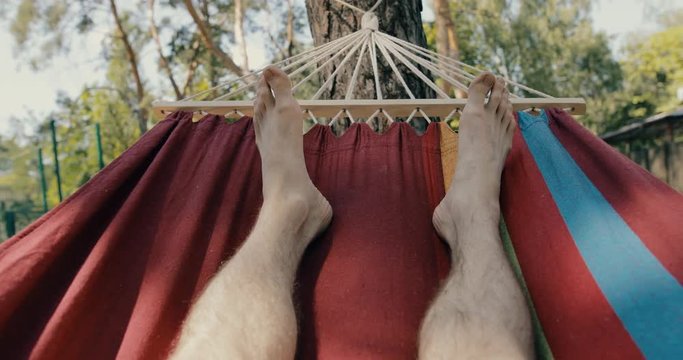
[[286, 186], [486, 131]]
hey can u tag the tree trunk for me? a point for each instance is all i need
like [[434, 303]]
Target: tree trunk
[[132, 59], [329, 20], [163, 61], [207, 38], [239, 34], [446, 40], [290, 28]]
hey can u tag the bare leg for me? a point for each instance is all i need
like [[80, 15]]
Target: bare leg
[[246, 311], [480, 313]]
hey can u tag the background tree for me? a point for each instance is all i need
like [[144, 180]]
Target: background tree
[[329, 20], [653, 73], [121, 101], [445, 38], [197, 44], [549, 45]]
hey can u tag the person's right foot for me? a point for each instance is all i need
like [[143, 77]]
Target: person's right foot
[[485, 138]]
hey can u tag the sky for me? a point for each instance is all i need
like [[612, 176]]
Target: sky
[[23, 90]]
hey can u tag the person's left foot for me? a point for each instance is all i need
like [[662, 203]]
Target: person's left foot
[[286, 185]]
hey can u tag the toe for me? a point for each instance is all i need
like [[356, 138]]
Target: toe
[[479, 88], [510, 122], [496, 94], [263, 94], [259, 112], [278, 81], [504, 106], [264, 101]]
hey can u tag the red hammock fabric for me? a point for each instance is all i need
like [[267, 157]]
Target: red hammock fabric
[[112, 271], [599, 241]]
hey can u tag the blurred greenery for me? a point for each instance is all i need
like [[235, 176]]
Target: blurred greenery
[[44, 30], [550, 45]]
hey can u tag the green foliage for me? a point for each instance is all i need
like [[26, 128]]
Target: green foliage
[[549, 45], [430, 34], [653, 72], [45, 29], [654, 68]]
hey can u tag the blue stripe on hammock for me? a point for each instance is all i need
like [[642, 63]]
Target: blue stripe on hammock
[[643, 294]]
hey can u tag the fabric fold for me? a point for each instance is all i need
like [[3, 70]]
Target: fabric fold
[[112, 271]]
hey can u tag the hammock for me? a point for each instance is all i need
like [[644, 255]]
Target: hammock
[[112, 271]]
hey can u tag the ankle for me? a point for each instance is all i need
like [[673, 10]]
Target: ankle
[[302, 211], [286, 209]]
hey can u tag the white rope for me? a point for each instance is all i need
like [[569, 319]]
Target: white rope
[[375, 6], [342, 111], [357, 8], [391, 119], [443, 57], [383, 50], [349, 115], [433, 56], [351, 6], [430, 66], [373, 60], [319, 53], [304, 54], [348, 39], [316, 68], [452, 62], [451, 114], [310, 116], [445, 61], [533, 91], [412, 114], [415, 58], [251, 84], [334, 119], [422, 76], [339, 67], [372, 115], [315, 58], [352, 85], [429, 121]]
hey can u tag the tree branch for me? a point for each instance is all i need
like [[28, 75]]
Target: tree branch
[[280, 49], [208, 41], [290, 28], [446, 40], [192, 69], [239, 33], [132, 59], [269, 12], [162, 59]]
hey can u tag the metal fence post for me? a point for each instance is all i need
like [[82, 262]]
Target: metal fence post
[[56, 155], [10, 223], [43, 182], [100, 158]]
